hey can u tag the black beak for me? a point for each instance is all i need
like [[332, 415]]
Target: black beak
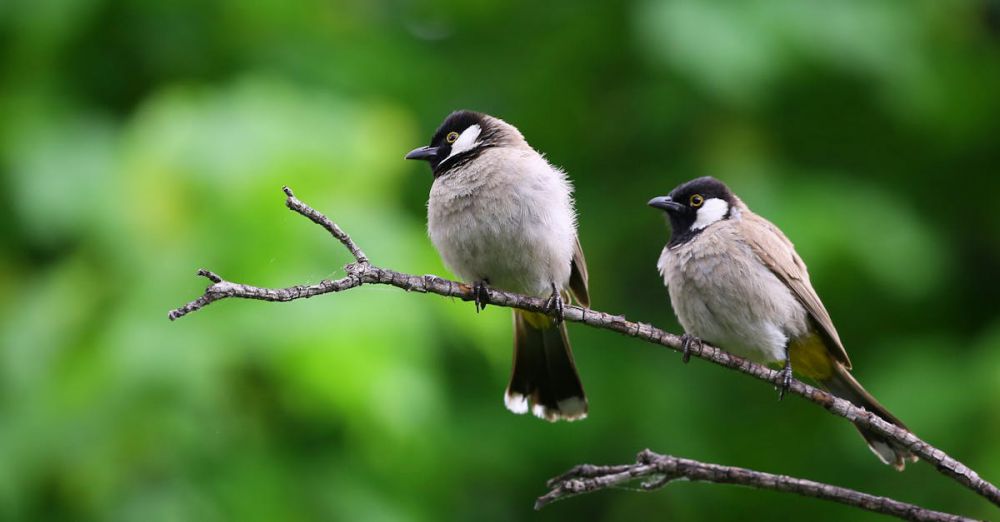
[[666, 203], [423, 153]]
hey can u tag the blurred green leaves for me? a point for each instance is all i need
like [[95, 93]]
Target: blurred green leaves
[[142, 140]]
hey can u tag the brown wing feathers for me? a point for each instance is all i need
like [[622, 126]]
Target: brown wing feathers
[[778, 254]]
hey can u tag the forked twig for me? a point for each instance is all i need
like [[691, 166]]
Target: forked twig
[[363, 272]]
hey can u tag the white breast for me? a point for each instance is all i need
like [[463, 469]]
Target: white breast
[[506, 217], [724, 295]]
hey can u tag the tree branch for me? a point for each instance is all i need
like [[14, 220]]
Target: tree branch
[[660, 470], [363, 272], [294, 204]]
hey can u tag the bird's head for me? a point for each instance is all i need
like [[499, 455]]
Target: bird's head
[[695, 205], [461, 138]]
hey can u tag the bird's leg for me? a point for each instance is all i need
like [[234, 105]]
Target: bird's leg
[[481, 291], [687, 341], [786, 376], [555, 304]]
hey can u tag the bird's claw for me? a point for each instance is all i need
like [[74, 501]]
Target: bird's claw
[[688, 341], [786, 379], [555, 305], [481, 294]]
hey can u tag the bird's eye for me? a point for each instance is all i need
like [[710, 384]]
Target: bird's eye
[[697, 200], [452, 137]]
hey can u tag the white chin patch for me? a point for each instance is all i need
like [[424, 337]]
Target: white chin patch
[[711, 211], [466, 140]]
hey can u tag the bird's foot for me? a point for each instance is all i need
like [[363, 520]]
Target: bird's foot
[[555, 305], [481, 292], [786, 379], [687, 342]]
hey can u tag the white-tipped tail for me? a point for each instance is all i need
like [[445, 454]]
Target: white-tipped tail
[[515, 402], [571, 409]]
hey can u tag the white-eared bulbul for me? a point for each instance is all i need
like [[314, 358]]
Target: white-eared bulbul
[[501, 215], [736, 281]]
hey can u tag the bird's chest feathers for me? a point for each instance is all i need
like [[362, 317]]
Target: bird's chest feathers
[[723, 294], [700, 276], [502, 223], [481, 214]]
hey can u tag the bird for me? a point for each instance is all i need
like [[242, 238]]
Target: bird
[[736, 282], [501, 216]]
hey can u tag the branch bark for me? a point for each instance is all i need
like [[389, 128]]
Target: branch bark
[[363, 272], [657, 471]]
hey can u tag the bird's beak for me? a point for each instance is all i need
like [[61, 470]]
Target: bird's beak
[[666, 203], [423, 153]]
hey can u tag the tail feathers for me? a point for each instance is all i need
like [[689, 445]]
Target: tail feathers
[[843, 385], [544, 379]]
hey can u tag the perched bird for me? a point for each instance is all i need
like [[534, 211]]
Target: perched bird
[[736, 281], [501, 216]]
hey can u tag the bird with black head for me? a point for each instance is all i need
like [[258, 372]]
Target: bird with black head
[[502, 216], [735, 281]]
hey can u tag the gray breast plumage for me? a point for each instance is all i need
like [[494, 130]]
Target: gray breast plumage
[[506, 217], [722, 293]]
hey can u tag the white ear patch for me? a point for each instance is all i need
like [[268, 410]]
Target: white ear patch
[[711, 211], [466, 140]]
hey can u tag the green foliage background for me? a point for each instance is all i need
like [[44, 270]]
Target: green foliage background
[[140, 140]]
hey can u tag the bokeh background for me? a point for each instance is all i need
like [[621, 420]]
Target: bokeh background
[[141, 140]]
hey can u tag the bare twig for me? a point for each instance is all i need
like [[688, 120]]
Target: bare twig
[[362, 272], [293, 203], [659, 470]]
